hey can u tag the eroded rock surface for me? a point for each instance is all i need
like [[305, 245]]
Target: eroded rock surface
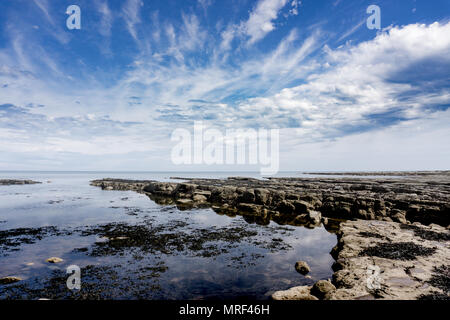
[[388, 260]]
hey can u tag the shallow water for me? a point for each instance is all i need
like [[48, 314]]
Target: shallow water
[[129, 247]]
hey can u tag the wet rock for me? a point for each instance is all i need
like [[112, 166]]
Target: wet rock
[[8, 182], [8, 280], [302, 206], [262, 196], [161, 189], [54, 260], [247, 196], [409, 199], [250, 208], [286, 207], [323, 289], [295, 293], [302, 267]]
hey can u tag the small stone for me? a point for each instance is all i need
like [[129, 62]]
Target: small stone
[[321, 288], [8, 280], [118, 238], [302, 267], [54, 260]]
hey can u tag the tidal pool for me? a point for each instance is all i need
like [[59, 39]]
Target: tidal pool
[[129, 247]]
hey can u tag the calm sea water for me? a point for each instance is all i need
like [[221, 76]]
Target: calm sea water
[[129, 247]]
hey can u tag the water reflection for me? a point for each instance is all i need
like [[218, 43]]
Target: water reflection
[[130, 247]]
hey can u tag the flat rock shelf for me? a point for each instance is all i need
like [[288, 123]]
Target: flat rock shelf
[[9, 182]]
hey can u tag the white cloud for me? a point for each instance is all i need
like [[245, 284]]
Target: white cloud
[[106, 19], [420, 144], [351, 30], [54, 29], [131, 14], [43, 5], [355, 83], [259, 24], [205, 4], [261, 19]]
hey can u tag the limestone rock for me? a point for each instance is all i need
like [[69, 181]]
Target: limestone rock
[[262, 196], [199, 198], [302, 267], [54, 260], [322, 288], [314, 217], [8, 280], [184, 201], [295, 293], [302, 206]]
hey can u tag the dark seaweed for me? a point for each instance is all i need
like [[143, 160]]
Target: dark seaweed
[[397, 251], [168, 239], [441, 278], [433, 296], [11, 239], [97, 283], [427, 234], [370, 235]]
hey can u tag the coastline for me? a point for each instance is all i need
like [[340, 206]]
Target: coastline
[[408, 218]]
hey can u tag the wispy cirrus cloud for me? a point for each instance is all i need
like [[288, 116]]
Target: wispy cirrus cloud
[[132, 16]]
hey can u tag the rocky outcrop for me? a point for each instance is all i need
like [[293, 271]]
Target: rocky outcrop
[[419, 198], [9, 280], [8, 182]]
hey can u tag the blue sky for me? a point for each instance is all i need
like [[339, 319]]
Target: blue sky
[[108, 96]]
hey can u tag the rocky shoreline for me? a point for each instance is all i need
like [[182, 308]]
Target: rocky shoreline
[[9, 182], [406, 216]]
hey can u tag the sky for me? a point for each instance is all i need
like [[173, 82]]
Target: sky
[[109, 96]]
